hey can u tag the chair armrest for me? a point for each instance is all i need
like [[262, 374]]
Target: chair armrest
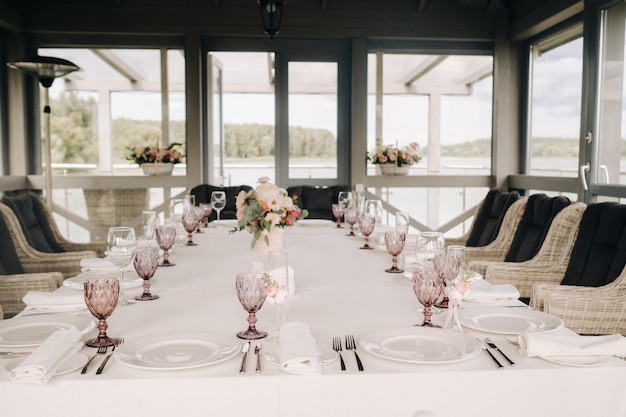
[[586, 314], [14, 287], [524, 275], [97, 247], [67, 263]]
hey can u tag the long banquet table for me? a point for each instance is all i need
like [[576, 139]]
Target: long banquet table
[[339, 290]]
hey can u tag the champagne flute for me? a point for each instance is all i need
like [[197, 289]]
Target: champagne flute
[[448, 265], [375, 209], [165, 235], [148, 222], [218, 201], [251, 294], [101, 297], [145, 263], [402, 222], [121, 246]]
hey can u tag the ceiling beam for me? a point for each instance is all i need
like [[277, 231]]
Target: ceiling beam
[[118, 65], [422, 69], [476, 76], [543, 17]]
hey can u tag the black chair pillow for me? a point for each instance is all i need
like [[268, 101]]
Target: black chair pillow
[[490, 216], [23, 208], [599, 253]]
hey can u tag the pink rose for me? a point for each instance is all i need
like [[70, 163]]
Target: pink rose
[[462, 287], [270, 290], [263, 180], [382, 159]]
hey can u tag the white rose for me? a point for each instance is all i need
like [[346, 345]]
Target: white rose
[[267, 192]]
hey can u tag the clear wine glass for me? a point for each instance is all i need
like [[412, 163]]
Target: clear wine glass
[[148, 223], [428, 244], [394, 242], [165, 235], [402, 222], [251, 294], [121, 246], [190, 223], [344, 198], [207, 213], [338, 213], [366, 226], [447, 264], [375, 209], [351, 215], [218, 202], [145, 263], [428, 286], [177, 207], [101, 297]]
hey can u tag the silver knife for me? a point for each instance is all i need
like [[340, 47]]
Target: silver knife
[[257, 352], [493, 346], [244, 350]]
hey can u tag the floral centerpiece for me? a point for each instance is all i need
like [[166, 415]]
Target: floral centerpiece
[[393, 160], [157, 160], [266, 208]]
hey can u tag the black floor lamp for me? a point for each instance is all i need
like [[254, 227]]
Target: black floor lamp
[[46, 69]]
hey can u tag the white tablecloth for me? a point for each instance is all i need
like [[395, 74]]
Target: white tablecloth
[[340, 289]]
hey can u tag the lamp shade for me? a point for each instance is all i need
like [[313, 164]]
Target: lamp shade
[[271, 15], [45, 68]]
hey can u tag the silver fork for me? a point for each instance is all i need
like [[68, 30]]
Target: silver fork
[[351, 345], [337, 348], [104, 362], [101, 351]]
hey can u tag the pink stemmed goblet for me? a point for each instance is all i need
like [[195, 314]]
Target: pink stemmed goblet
[[428, 287], [338, 213], [207, 213], [251, 294], [366, 226], [447, 265], [351, 215], [145, 263], [101, 298], [190, 223], [199, 213], [394, 242], [166, 235]]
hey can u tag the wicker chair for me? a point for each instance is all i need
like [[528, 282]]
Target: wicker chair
[[591, 297], [488, 219], [32, 260], [550, 263], [497, 250], [13, 288], [41, 229]]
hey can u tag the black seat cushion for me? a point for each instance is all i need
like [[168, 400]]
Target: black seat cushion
[[599, 253], [489, 217], [317, 200], [534, 225], [30, 212], [203, 196], [9, 262]]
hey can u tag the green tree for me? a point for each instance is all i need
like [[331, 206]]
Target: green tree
[[73, 129]]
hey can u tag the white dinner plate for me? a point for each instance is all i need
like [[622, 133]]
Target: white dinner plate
[[73, 363], [33, 330], [579, 360], [425, 345], [505, 320], [270, 352], [177, 350], [315, 222], [131, 279]]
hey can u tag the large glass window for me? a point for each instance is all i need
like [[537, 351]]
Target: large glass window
[[115, 101], [442, 102], [610, 167], [555, 90]]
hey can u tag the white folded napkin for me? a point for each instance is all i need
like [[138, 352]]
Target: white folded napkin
[[483, 291], [40, 366], [54, 301], [100, 264], [568, 343], [298, 353], [279, 275]]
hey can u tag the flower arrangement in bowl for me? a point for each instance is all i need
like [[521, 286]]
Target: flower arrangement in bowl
[[393, 160], [156, 161], [265, 208]]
